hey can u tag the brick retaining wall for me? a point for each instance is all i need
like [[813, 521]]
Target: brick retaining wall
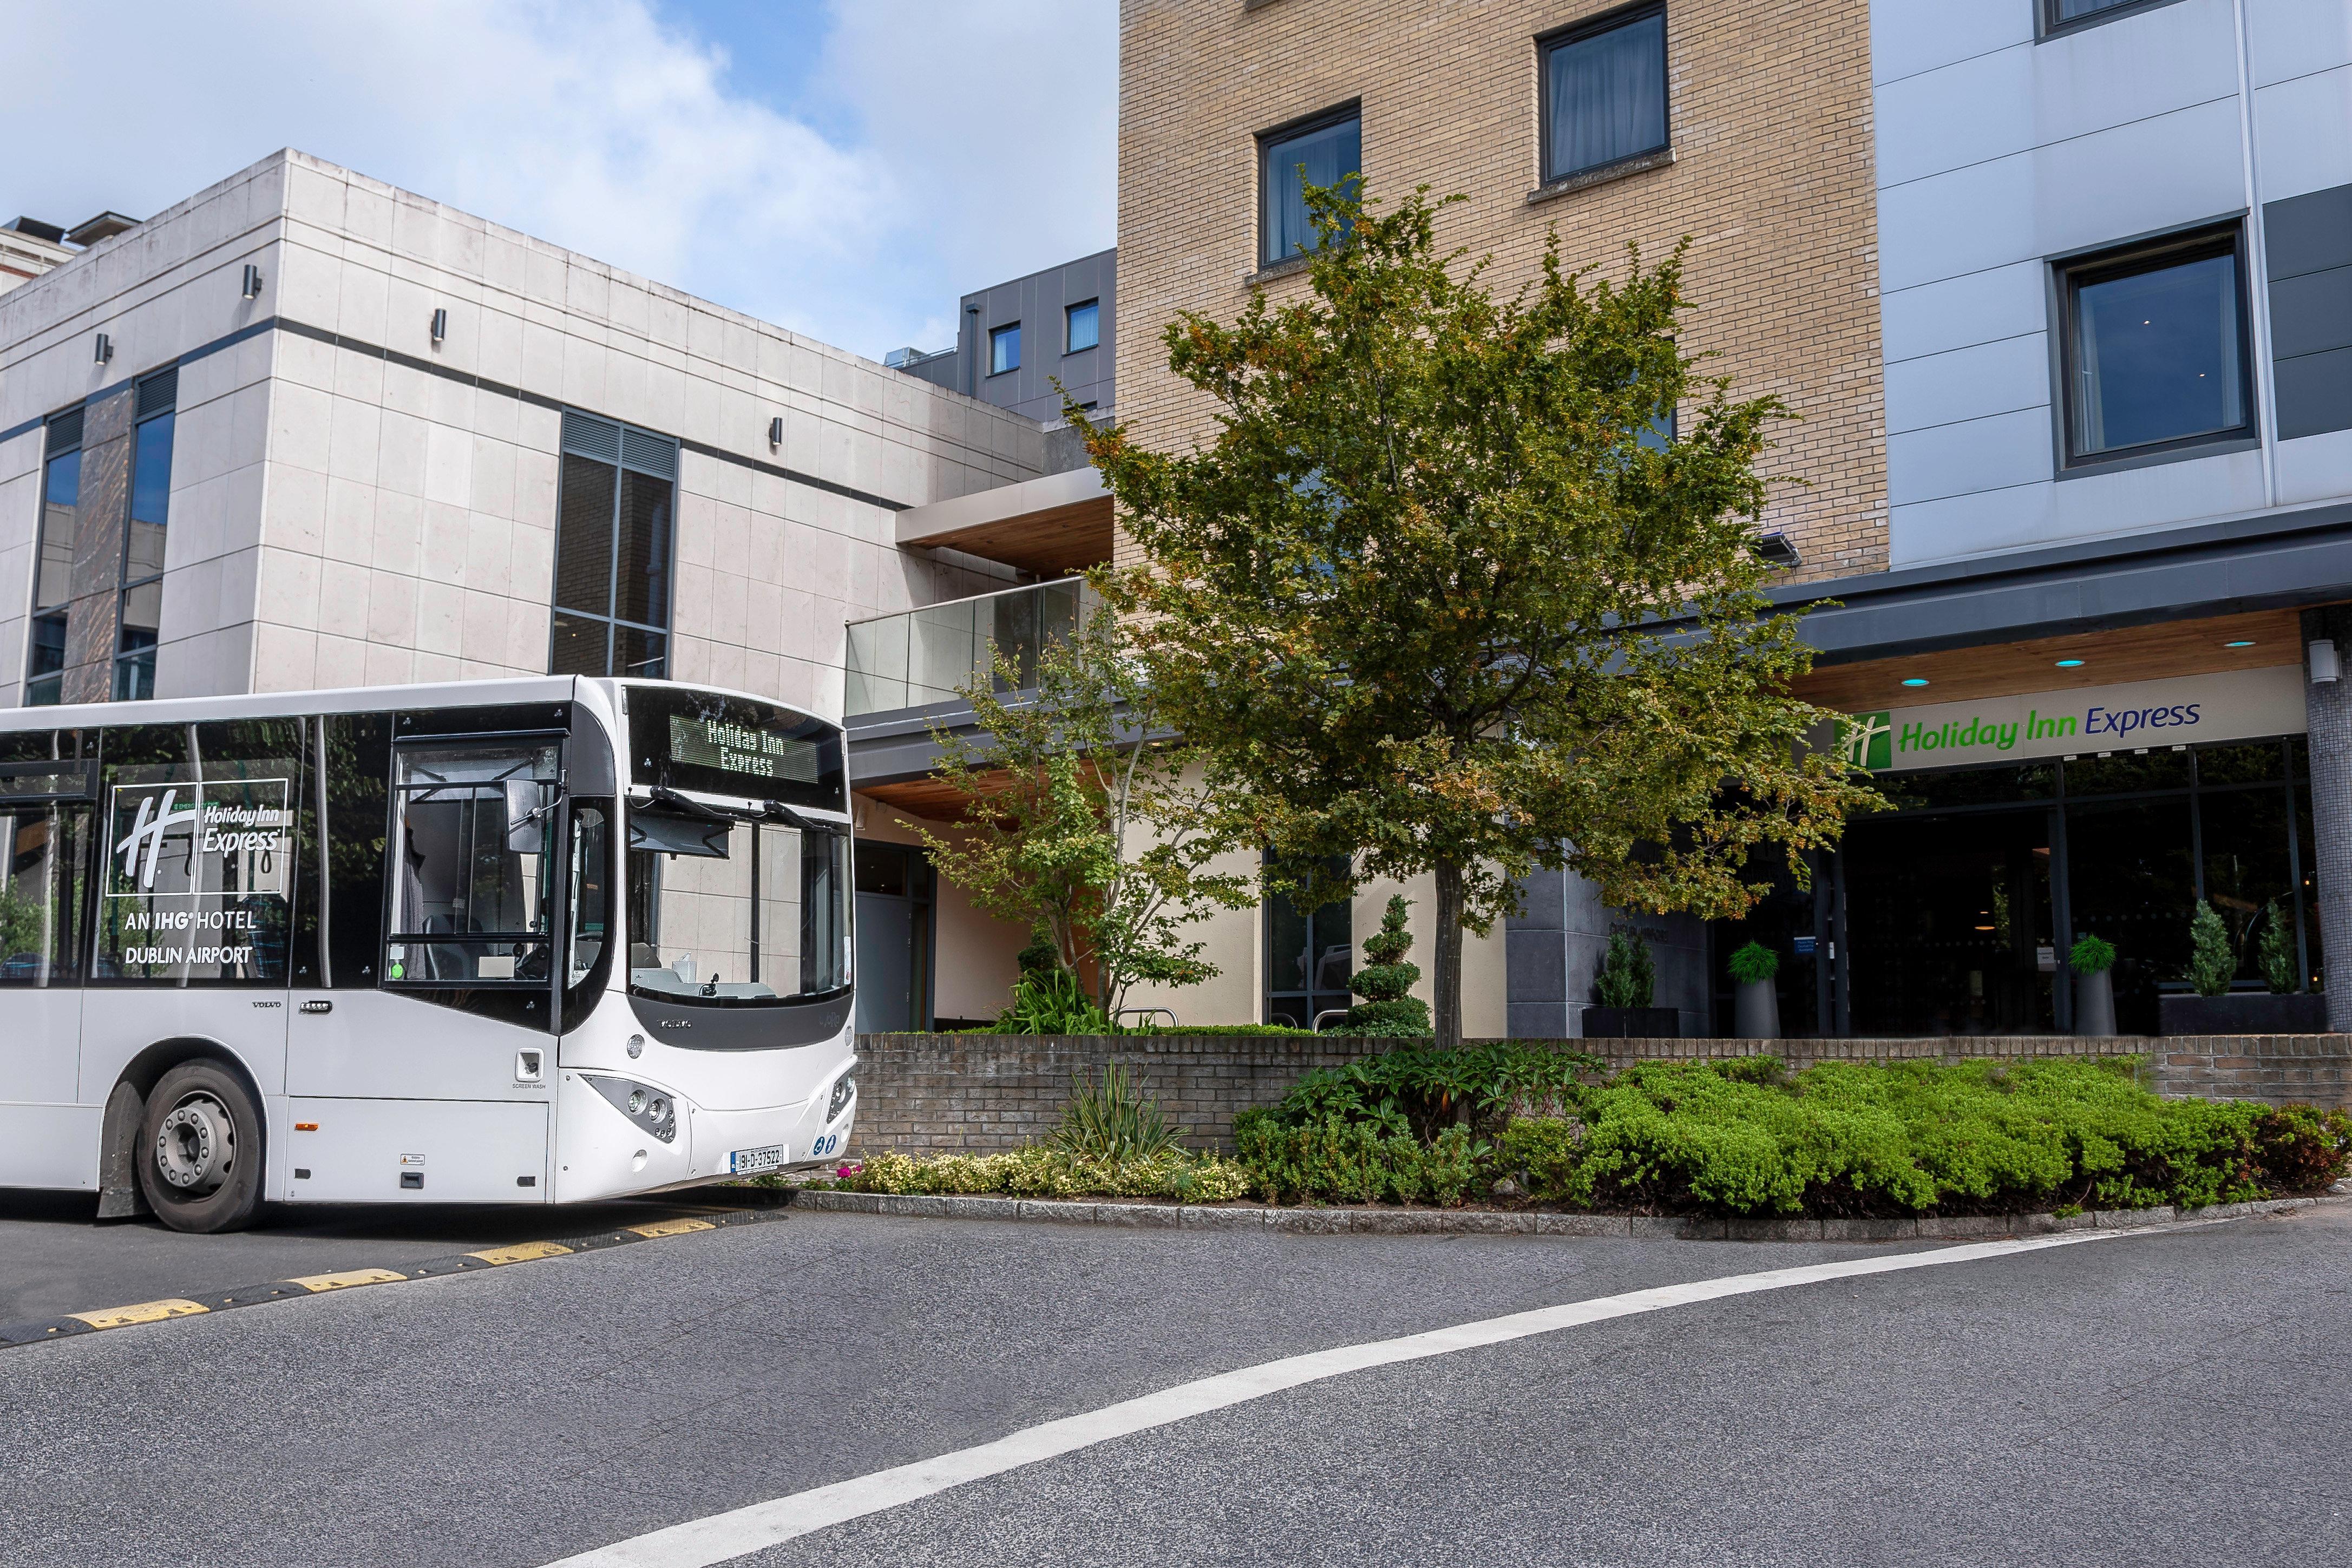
[[982, 1092]]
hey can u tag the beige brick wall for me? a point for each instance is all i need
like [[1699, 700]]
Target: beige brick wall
[[1770, 123]]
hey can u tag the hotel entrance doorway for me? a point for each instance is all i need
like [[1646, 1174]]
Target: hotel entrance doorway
[[1951, 924]]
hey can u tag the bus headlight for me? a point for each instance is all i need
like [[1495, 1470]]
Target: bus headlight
[[648, 1108], [845, 1088]]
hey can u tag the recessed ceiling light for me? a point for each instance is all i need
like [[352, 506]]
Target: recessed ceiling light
[[2241, 642], [2070, 664], [1916, 681]]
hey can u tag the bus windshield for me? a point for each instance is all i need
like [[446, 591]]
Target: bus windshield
[[741, 913]]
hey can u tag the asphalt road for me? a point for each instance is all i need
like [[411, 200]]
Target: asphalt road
[[2167, 1397]]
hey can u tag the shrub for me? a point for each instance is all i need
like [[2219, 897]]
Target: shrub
[[2300, 1149], [2211, 963], [1386, 984], [1422, 1090], [1111, 1120], [1754, 962], [1051, 1000], [1626, 978], [1339, 1160], [2091, 955], [2281, 971], [1041, 1172]]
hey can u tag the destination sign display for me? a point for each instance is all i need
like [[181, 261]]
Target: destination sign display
[[736, 748]]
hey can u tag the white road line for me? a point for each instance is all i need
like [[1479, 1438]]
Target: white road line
[[723, 1536]]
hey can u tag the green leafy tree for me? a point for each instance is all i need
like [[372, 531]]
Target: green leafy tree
[[1082, 821], [2282, 970], [1428, 598], [1386, 984], [1626, 977]]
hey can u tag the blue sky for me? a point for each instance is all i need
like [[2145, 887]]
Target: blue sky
[[844, 167]]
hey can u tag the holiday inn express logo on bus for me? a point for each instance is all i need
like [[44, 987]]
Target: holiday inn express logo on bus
[[2237, 706]]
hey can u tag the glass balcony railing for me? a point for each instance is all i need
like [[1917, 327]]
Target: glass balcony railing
[[923, 655]]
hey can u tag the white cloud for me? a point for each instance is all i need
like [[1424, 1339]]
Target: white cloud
[[589, 123]]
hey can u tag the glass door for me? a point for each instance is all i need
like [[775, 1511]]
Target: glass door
[[1949, 924]]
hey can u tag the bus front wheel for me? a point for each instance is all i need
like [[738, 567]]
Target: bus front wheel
[[199, 1149]]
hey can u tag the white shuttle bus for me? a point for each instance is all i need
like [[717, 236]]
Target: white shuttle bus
[[531, 941]]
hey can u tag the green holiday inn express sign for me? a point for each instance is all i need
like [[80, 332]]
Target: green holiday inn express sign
[[2239, 705]]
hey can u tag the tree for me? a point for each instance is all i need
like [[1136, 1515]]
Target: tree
[[1437, 596], [1081, 819], [1386, 983]]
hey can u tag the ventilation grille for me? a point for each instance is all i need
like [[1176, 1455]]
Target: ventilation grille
[[65, 430], [158, 392], [592, 437], [649, 454]]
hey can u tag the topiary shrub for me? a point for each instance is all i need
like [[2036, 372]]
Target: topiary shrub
[[1627, 978], [2281, 971], [2211, 961], [1754, 962], [1386, 983], [2091, 955]]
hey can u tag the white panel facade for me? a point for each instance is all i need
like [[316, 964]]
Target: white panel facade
[[1999, 152], [339, 516]]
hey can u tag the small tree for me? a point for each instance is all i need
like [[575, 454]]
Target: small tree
[[2213, 962], [2282, 970], [1437, 598], [1386, 984], [1626, 977], [1081, 821]]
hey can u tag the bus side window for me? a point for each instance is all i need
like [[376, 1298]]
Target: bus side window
[[357, 748], [41, 893]]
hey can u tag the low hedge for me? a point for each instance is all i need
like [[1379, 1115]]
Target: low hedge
[[1739, 1137]]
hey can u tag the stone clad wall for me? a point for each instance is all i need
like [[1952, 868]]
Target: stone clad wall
[[979, 1093]]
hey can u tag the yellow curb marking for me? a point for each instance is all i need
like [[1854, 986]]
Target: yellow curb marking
[[521, 1252], [348, 1278], [143, 1313], [670, 1227]]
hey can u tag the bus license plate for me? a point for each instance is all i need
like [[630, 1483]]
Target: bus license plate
[[751, 1162]]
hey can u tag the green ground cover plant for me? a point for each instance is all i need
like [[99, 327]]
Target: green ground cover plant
[[1042, 1171]]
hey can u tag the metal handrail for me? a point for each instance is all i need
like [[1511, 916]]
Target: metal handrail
[[1317, 1026], [1119, 1013]]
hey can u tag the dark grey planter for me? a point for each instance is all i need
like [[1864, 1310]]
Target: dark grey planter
[[1756, 1010], [2094, 1003], [2243, 1012], [1632, 1023]]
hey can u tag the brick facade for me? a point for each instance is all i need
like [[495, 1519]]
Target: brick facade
[[981, 1093], [1769, 117]]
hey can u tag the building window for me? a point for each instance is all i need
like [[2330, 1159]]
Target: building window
[[1082, 325], [1003, 348], [1308, 958], [612, 545], [1604, 92], [1321, 152], [142, 542], [53, 577], [2073, 15], [2155, 349]]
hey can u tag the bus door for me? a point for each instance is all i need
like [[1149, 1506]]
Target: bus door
[[46, 1139], [422, 1059], [194, 894]]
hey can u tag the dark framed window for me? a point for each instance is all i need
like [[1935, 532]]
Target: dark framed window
[[613, 537], [1005, 348], [1081, 325], [1604, 91], [1310, 957], [142, 541], [53, 576], [2063, 16], [2154, 347], [1322, 151]]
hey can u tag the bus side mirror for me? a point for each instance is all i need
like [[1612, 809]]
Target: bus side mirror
[[525, 806]]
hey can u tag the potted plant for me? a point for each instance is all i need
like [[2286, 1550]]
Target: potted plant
[[1756, 1004], [2212, 1008], [1624, 986], [2093, 961]]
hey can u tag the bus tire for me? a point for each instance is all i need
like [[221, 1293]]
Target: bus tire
[[199, 1153]]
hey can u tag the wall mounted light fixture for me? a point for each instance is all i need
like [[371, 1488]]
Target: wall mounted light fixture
[[776, 431], [105, 351], [252, 288], [2324, 666], [440, 324]]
